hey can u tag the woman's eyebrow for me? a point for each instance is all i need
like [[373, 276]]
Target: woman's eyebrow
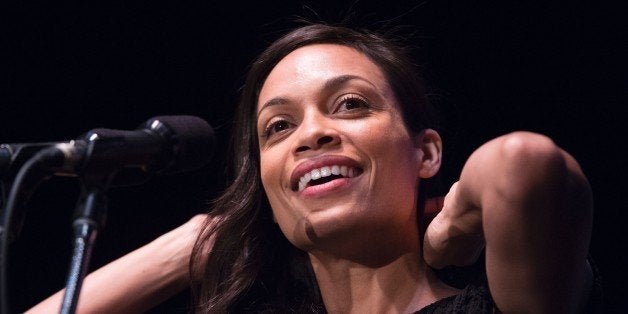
[[332, 83], [272, 102]]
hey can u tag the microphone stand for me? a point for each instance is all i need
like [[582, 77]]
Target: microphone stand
[[88, 220]]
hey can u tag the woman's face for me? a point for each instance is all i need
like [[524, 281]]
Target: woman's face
[[336, 158]]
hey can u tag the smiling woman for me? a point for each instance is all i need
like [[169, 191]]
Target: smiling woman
[[327, 92], [334, 143]]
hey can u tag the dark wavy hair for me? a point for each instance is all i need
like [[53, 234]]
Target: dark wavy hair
[[251, 265]]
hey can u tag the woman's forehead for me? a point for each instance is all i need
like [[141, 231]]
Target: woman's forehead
[[317, 64]]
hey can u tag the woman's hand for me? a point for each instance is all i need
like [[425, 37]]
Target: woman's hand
[[454, 236], [531, 204]]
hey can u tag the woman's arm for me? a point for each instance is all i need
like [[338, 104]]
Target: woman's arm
[[532, 205], [139, 280]]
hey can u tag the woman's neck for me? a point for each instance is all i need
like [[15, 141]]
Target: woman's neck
[[404, 285]]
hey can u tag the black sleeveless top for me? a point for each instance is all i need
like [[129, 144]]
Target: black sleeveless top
[[476, 298]]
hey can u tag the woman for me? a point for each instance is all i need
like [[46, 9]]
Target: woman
[[333, 146]]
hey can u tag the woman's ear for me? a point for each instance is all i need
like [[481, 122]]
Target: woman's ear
[[429, 147]]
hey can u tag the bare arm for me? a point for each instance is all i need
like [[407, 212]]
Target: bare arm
[[532, 205], [139, 280]]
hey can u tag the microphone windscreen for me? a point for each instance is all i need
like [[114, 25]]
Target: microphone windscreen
[[193, 140]]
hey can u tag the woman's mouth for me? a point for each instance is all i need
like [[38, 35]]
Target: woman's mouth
[[326, 174]]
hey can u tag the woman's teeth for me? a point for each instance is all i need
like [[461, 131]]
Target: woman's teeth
[[315, 174]]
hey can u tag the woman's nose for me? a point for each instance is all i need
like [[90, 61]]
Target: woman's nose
[[316, 133]]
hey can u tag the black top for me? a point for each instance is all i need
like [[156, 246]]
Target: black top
[[476, 298]]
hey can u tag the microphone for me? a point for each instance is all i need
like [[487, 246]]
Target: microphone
[[161, 145], [104, 158], [12, 156]]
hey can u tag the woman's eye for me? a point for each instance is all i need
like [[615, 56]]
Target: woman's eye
[[276, 127], [352, 102]]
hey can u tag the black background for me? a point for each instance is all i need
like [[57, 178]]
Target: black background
[[71, 66]]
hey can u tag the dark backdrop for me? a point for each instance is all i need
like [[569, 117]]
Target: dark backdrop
[[71, 66]]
